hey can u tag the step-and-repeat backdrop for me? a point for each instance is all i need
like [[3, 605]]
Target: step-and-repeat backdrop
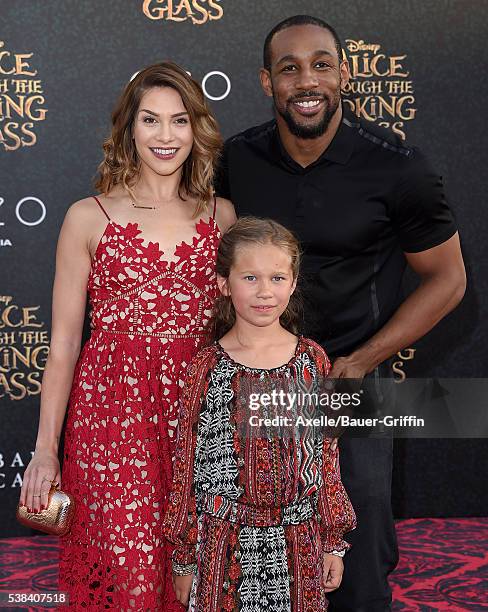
[[417, 70]]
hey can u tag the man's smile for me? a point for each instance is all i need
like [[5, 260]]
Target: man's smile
[[307, 106]]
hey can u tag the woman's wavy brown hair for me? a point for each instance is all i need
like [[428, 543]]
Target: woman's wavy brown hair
[[121, 164], [248, 231]]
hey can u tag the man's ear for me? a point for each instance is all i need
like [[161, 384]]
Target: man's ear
[[223, 285], [265, 78], [345, 73]]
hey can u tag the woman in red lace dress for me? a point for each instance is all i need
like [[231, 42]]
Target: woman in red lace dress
[[145, 251]]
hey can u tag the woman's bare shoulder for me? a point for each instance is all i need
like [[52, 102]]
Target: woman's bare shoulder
[[84, 211], [95, 209], [84, 219]]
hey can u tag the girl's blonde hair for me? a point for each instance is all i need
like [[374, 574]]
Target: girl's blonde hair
[[248, 231], [121, 164]]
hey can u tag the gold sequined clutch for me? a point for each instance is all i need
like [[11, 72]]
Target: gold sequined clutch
[[55, 519]]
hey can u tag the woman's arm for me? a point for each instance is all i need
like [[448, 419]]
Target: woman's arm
[[68, 311]]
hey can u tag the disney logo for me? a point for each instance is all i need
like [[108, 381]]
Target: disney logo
[[359, 45]]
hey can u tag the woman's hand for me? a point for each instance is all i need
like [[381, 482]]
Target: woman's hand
[[333, 570], [182, 586], [38, 477]]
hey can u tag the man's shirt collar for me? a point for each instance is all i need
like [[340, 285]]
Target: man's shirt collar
[[339, 150]]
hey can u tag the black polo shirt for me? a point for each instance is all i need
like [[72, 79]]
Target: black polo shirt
[[356, 209]]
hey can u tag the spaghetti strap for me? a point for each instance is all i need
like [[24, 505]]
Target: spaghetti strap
[[103, 209], [215, 207]]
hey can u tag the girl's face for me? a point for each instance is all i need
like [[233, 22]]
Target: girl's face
[[162, 131], [260, 283]]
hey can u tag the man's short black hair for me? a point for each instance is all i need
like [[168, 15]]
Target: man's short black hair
[[298, 20]]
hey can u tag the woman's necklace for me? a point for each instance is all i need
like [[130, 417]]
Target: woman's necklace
[[133, 201], [134, 205]]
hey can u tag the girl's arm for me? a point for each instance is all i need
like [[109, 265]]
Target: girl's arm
[[180, 522], [335, 510], [68, 311], [337, 517], [336, 514]]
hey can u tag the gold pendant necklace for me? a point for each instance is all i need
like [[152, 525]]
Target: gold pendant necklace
[[134, 205]]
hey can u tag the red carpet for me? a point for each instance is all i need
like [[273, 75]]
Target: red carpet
[[443, 565]]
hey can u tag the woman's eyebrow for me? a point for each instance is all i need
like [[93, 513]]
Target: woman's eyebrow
[[150, 112]]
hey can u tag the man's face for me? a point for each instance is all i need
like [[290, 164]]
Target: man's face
[[305, 79]]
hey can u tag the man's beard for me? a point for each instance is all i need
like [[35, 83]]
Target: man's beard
[[313, 130]]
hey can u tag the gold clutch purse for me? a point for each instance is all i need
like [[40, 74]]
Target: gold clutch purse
[[55, 519]]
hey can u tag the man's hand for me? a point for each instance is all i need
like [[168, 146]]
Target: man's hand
[[182, 586], [351, 366], [333, 570]]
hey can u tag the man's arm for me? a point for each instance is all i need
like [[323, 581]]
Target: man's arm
[[442, 286]]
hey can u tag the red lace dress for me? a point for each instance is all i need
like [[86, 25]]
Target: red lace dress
[[147, 318]]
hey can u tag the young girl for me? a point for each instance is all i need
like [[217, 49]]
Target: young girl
[[257, 522]]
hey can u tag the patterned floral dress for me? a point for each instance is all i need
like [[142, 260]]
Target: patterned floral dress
[[254, 513], [147, 317]]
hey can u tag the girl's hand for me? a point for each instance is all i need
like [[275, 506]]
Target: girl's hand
[[38, 477], [182, 586], [333, 570]]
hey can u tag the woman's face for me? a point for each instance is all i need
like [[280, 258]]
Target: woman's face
[[162, 131]]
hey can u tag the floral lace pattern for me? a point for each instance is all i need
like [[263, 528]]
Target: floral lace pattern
[[148, 317]]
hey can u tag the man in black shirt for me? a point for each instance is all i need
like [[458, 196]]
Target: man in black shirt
[[363, 205]]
